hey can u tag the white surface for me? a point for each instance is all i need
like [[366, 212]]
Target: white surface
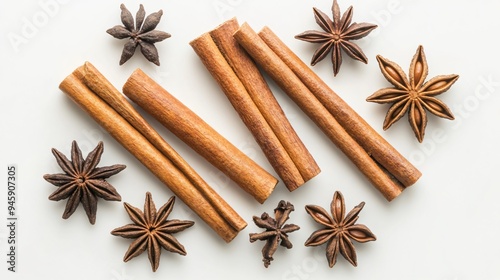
[[445, 227]]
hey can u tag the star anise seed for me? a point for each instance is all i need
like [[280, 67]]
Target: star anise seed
[[337, 36], [276, 232], [83, 181], [413, 95], [339, 230], [141, 34], [152, 231]]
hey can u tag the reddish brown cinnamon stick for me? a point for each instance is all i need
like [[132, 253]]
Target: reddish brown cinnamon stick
[[249, 94], [219, 215], [306, 100], [96, 82], [374, 144], [202, 138]]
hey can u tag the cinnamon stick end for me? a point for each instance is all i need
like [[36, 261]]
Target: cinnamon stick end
[[230, 236], [263, 195], [413, 178]]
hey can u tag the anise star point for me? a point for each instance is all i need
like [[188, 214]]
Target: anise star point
[[412, 94], [141, 33], [276, 231], [339, 230], [337, 36], [152, 231], [83, 182]]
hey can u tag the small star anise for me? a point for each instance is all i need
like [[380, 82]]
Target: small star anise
[[142, 34], [413, 95], [276, 232], [339, 230], [151, 230], [337, 36], [82, 181]]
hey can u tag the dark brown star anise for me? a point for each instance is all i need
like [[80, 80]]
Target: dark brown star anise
[[337, 36], [413, 95], [83, 181], [151, 230], [339, 230], [142, 34], [276, 231]]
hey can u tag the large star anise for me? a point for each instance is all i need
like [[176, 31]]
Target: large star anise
[[83, 181], [276, 231], [151, 230], [142, 34], [337, 36], [339, 230], [413, 96]]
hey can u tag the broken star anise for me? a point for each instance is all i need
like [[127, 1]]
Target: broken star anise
[[152, 231], [337, 36], [83, 181], [413, 95], [339, 230], [276, 231], [141, 34]]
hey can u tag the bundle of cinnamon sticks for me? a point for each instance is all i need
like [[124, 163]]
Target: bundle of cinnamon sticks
[[109, 108], [248, 92], [382, 165]]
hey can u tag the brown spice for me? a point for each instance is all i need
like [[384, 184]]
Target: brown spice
[[337, 36], [370, 140], [201, 137], [152, 231], [309, 103], [141, 34], [413, 95], [276, 231], [251, 97], [339, 230], [202, 199], [83, 182]]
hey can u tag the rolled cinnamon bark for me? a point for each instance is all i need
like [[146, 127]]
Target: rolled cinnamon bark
[[197, 134], [210, 207], [373, 143], [293, 86], [249, 94]]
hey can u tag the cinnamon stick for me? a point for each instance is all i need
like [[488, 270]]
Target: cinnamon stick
[[306, 100], [96, 82], [249, 94], [373, 143], [196, 133], [211, 208]]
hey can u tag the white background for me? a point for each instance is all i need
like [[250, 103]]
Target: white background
[[445, 227]]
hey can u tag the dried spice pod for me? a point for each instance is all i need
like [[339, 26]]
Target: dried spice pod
[[413, 95], [83, 182], [339, 230], [337, 36], [276, 231], [141, 34], [152, 231]]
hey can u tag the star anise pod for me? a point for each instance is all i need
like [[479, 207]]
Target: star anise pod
[[83, 181], [276, 231], [152, 231], [337, 36], [339, 230], [413, 95], [141, 34]]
